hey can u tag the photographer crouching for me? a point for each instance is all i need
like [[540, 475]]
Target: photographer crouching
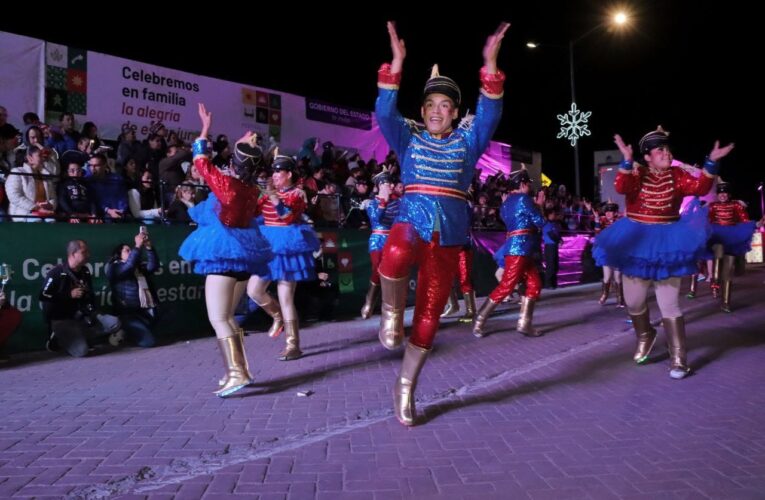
[[69, 309], [133, 295]]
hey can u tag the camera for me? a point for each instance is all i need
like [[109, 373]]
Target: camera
[[88, 312]]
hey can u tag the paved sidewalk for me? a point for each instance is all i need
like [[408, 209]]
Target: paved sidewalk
[[567, 415]]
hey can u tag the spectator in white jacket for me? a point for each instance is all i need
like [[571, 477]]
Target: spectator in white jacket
[[30, 192]]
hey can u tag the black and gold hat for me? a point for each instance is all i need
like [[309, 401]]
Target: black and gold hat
[[653, 139], [438, 84]]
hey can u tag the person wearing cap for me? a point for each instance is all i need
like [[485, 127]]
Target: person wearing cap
[[382, 211], [653, 244], [227, 248], [524, 223], [610, 214], [293, 243], [437, 165], [731, 237]]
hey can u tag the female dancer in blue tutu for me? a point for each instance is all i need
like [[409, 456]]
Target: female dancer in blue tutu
[[731, 237], [653, 244], [293, 243], [227, 248]]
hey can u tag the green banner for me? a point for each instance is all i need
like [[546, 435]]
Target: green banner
[[32, 249]]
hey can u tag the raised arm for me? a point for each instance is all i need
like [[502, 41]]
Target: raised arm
[[627, 179], [206, 117], [491, 49], [397, 47], [720, 152]]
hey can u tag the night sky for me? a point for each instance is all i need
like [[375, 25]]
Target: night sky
[[688, 65]]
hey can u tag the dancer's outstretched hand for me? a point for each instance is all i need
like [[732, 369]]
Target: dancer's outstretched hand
[[625, 149], [397, 47], [720, 152], [491, 49], [206, 117]]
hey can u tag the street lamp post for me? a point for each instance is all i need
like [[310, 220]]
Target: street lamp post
[[619, 18], [577, 186]]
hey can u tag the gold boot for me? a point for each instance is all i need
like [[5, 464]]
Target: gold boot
[[394, 291], [692, 291], [715, 283], [235, 361], [406, 383], [483, 314], [240, 333], [726, 297], [525, 318], [605, 289], [469, 307], [272, 309], [728, 263], [620, 296], [371, 301], [292, 350], [453, 306], [674, 328], [646, 336]]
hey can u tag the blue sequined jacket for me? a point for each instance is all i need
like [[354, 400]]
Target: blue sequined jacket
[[523, 222], [444, 164], [381, 216]]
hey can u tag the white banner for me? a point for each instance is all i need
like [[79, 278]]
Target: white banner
[[22, 76], [122, 92]]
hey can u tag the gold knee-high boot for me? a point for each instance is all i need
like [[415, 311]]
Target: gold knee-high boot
[[605, 289], [272, 309], [692, 290], [483, 314], [715, 284], [371, 300], [729, 263], [674, 328], [235, 361], [620, 296], [646, 336], [394, 291], [222, 381], [469, 307], [525, 318], [453, 305], [726, 297], [406, 383], [292, 338]]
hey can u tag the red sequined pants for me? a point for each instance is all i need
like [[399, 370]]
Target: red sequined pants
[[437, 267], [518, 267], [465, 267], [375, 257]]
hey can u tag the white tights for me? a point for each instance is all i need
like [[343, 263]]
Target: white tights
[[609, 272], [256, 289], [222, 294], [667, 293]]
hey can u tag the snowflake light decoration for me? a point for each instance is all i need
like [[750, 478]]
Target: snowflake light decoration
[[573, 124]]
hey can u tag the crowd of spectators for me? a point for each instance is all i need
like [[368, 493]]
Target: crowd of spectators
[[57, 173]]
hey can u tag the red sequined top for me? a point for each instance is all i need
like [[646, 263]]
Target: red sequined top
[[654, 196], [728, 213], [238, 201], [292, 198]]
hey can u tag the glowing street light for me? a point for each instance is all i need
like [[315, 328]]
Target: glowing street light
[[574, 122]]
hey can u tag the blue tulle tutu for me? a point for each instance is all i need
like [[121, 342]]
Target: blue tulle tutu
[[736, 239], [216, 248], [293, 248], [653, 251]]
